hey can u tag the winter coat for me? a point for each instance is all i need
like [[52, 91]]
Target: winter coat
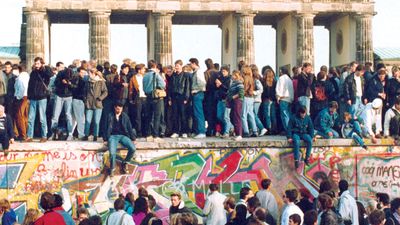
[[325, 121], [350, 88], [96, 92], [298, 125], [38, 83]]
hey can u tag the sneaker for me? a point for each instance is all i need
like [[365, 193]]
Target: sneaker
[[225, 136], [246, 135], [254, 134], [184, 135], [237, 138], [296, 164], [365, 147], [70, 138], [200, 136], [124, 168], [263, 132], [43, 140], [174, 135], [149, 138], [53, 137]]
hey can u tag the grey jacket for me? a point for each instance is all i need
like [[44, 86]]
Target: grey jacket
[[96, 92]]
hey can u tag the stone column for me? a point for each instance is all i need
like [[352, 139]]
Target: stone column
[[305, 38], [34, 36], [364, 45], [245, 37], [99, 36], [163, 37]]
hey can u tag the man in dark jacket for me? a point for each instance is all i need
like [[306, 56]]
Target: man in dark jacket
[[304, 83], [78, 85], [37, 94], [119, 130], [353, 90], [6, 130], [177, 205], [301, 128], [63, 99], [376, 87], [179, 94]]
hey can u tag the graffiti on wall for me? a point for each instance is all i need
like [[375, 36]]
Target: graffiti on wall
[[77, 174]]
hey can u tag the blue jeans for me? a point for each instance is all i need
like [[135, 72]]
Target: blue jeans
[[325, 134], [356, 133], [59, 103], [112, 147], [269, 113], [223, 115], [354, 108], [78, 109], [305, 101], [296, 145], [33, 106], [89, 117], [198, 113], [284, 108], [248, 118], [259, 124]]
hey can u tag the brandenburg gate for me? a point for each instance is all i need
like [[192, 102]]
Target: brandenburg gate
[[349, 23]]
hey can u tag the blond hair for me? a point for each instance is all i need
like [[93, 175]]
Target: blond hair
[[5, 204]]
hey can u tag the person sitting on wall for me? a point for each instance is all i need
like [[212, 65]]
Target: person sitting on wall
[[326, 120], [301, 128], [372, 115], [6, 130], [119, 130]]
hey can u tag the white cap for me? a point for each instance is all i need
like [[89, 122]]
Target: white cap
[[377, 103]]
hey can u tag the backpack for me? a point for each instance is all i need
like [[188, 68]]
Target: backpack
[[320, 92], [394, 125]]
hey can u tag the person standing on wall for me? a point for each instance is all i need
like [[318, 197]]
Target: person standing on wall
[[305, 81], [197, 91]]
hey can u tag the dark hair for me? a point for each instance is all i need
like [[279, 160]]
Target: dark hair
[[142, 192], [47, 201], [310, 217], [151, 202], [151, 64], [384, 197], [141, 205], [395, 204], [213, 187], [82, 210], [178, 62], [241, 63], [59, 64], [216, 66], [376, 217], [360, 68], [244, 191], [8, 63], [261, 214], [194, 61], [39, 59], [353, 63], [324, 68], [291, 194], [118, 104], [209, 64], [230, 202], [361, 211], [295, 218], [325, 201], [22, 68], [380, 66], [225, 67], [306, 64], [265, 183], [253, 202], [85, 221], [325, 186], [58, 200], [176, 194], [123, 66], [284, 71], [139, 67], [343, 185], [301, 110], [130, 197], [119, 204], [95, 220], [80, 69], [106, 65]]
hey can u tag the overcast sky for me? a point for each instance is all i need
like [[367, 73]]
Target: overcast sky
[[70, 41]]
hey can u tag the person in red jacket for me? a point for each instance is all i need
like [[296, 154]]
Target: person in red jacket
[[50, 217]]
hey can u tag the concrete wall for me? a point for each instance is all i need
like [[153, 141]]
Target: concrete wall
[[347, 26], [75, 171]]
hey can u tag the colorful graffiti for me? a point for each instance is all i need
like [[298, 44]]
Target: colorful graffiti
[[77, 174]]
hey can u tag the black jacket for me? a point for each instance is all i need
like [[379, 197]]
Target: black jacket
[[126, 126], [178, 209], [180, 85], [220, 93], [78, 85], [269, 93], [350, 88], [392, 90], [374, 87], [38, 83], [63, 90], [329, 218], [304, 82], [9, 130]]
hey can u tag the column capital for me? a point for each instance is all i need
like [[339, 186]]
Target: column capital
[[29, 12], [163, 13], [364, 15], [99, 12], [246, 13], [306, 15]]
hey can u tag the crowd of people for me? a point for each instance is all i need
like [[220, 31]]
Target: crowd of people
[[333, 206], [185, 100]]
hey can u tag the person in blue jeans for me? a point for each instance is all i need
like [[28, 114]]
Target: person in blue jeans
[[351, 129], [119, 130], [301, 128], [197, 91], [326, 120]]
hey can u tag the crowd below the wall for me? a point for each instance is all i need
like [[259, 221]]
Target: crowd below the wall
[[86, 100], [333, 206]]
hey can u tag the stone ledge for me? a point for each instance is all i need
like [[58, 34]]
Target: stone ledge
[[208, 143]]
